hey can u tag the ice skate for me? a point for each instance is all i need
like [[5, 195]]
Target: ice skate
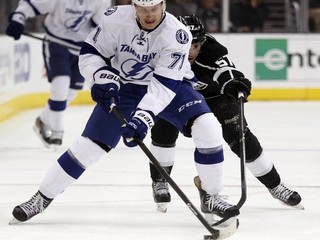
[[43, 131], [286, 196], [56, 138], [161, 194], [214, 204], [23, 212]]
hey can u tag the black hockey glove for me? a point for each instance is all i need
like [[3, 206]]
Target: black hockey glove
[[103, 93], [105, 88], [16, 25], [233, 86], [137, 127]]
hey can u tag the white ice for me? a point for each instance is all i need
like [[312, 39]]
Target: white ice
[[113, 199]]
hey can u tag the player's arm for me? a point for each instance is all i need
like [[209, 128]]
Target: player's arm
[[95, 54], [229, 78], [95, 67], [25, 10]]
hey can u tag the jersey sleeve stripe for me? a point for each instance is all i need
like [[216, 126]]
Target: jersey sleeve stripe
[[89, 49], [173, 85], [33, 7]]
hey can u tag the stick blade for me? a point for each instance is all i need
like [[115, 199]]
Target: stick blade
[[224, 230], [162, 207]]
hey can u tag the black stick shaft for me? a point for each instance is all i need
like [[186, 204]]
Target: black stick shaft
[[242, 152], [48, 41]]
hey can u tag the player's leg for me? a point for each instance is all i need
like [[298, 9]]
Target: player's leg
[[102, 133], [68, 168], [207, 136], [163, 135], [193, 118], [50, 124], [67, 95], [257, 161], [59, 91]]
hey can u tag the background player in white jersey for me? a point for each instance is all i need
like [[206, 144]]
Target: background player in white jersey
[[68, 23], [138, 55], [213, 67]]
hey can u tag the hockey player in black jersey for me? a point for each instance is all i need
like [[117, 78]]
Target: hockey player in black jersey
[[219, 82]]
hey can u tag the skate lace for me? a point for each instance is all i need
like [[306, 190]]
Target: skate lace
[[216, 202], [282, 192], [160, 188], [35, 205]]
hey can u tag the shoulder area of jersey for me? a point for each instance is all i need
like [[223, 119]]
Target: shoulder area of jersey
[[182, 33], [119, 9], [210, 38], [101, 2]]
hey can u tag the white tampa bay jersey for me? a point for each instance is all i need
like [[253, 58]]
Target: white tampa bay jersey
[[69, 21], [157, 58]]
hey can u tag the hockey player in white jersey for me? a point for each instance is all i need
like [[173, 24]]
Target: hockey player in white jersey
[[67, 23], [138, 56]]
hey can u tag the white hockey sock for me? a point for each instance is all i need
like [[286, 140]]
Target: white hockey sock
[[207, 136], [45, 115], [211, 177], [59, 91], [57, 120], [55, 182], [165, 156], [261, 166]]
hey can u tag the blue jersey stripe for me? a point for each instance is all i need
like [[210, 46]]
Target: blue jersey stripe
[[33, 7], [172, 84], [89, 49]]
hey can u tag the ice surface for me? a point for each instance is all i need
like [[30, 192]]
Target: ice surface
[[113, 198]]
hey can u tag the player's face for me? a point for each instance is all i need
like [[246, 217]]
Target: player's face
[[149, 17], [194, 51]]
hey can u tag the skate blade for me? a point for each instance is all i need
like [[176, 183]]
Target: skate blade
[[299, 206], [210, 218], [224, 230], [14, 221], [46, 144], [162, 207]]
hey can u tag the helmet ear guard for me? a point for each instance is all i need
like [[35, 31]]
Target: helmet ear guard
[[195, 26], [146, 3]]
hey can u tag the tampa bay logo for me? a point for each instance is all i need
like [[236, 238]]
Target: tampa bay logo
[[75, 21], [271, 61], [136, 70]]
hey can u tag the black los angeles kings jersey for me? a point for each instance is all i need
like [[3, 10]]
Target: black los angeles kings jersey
[[213, 67]]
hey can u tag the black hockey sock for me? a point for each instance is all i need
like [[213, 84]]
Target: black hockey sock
[[271, 179], [154, 173]]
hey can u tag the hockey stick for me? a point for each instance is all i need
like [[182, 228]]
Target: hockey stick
[[216, 233], [48, 41], [242, 151]]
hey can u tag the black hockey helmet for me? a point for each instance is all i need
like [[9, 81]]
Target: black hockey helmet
[[195, 26]]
